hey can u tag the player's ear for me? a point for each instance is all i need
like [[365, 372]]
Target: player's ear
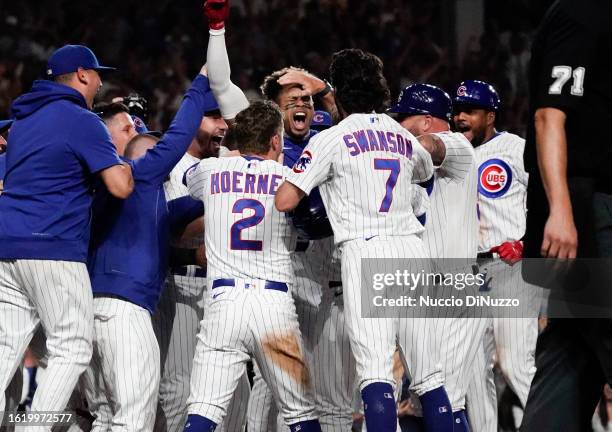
[[82, 76], [491, 118], [276, 143]]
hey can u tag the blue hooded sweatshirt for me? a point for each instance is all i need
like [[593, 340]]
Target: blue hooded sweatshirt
[[56, 145], [130, 238]]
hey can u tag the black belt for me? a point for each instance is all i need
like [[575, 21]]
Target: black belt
[[485, 255], [278, 286], [200, 272]]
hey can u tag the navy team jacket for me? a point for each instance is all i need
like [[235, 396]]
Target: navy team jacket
[[128, 255]]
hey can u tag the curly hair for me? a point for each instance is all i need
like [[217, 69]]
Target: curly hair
[[358, 79], [255, 126], [270, 88]]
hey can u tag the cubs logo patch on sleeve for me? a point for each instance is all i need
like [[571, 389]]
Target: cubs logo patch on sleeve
[[494, 178], [302, 163]]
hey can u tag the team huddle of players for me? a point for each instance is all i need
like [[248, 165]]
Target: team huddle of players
[[401, 187], [391, 182]]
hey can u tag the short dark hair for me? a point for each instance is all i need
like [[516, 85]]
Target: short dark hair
[[108, 110], [255, 126], [132, 145], [358, 79], [270, 88]]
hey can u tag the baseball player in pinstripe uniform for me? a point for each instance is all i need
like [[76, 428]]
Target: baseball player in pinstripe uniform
[[318, 285], [426, 109], [249, 311], [56, 148], [502, 194], [127, 264], [360, 165]]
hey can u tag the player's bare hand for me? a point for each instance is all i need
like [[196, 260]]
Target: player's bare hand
[[310, 84], [216, 11], [204, 70], [510, 252], [560, 236]]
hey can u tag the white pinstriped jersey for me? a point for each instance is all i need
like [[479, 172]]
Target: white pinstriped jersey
[[502, 190], [174, 188], [250, 239], [451, 227], [365, 167]]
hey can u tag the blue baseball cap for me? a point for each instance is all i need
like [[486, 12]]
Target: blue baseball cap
[[69, 58], [321, 120], [210, 104], [424, 99], [4, 125]]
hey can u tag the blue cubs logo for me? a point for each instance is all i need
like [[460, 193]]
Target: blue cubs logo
[[318, 118], [461, 91], [494, 178], [302, 163]]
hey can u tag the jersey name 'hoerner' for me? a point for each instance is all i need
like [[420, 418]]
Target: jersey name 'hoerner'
[[246, 237]]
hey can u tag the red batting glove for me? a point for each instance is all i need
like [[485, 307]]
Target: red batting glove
[[510, 252], [216, 11]]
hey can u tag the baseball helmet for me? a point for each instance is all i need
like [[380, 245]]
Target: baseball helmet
[[477, 93], [419, 99], [321, 120], [310, 217]]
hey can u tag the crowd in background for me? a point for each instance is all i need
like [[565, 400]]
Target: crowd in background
[[159, 45]]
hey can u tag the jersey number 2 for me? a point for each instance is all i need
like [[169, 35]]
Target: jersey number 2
[[236, 241], [392, 165]]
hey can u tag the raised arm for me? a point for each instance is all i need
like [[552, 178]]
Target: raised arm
[[157, 163], [230, 98]]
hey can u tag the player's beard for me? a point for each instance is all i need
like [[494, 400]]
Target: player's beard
[[475, 136], [478, 137]]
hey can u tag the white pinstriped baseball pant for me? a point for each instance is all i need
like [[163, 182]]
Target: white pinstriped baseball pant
[[122, 381], [240, 322], [57, 295]]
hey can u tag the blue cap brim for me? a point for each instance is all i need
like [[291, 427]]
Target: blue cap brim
[[5, 124], [105, 68]]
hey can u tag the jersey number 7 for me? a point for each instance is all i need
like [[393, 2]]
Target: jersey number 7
[[236, 241], [392, 165]]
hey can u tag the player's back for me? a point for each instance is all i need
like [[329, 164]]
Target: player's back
[[451, 228], [246, 237], [374, 162]]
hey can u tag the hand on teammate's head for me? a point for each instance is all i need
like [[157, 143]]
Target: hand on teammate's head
[[309, 84]]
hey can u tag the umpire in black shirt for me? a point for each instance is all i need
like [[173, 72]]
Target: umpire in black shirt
[[569, 159]]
